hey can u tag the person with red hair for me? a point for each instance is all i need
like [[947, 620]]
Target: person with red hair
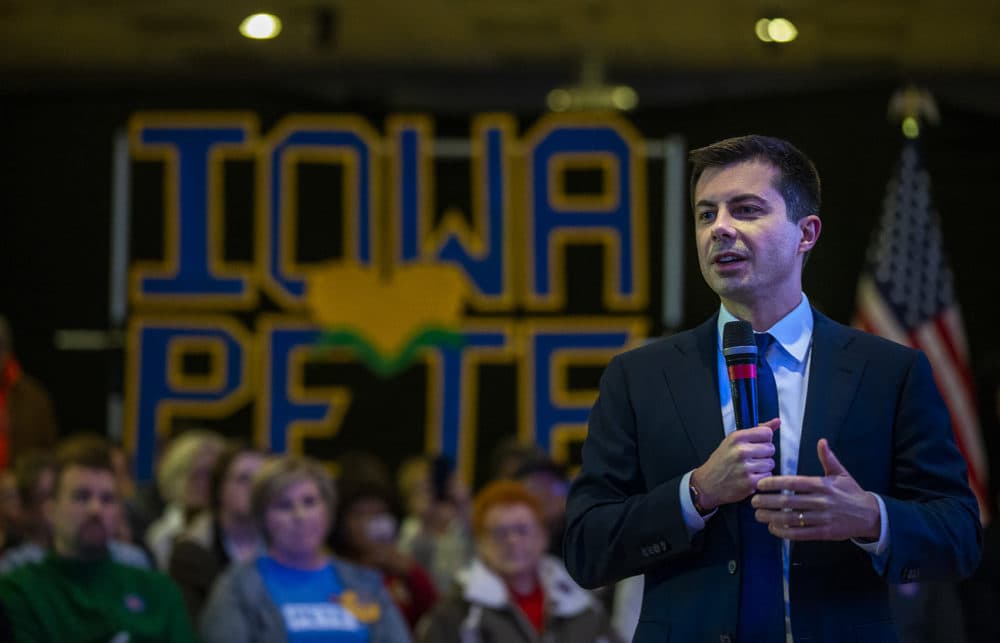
[[513, 591]]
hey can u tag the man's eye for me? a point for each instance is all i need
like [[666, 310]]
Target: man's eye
[[706, 215]]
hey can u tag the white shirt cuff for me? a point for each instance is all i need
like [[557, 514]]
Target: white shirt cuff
[[694, 521], [879, 547]]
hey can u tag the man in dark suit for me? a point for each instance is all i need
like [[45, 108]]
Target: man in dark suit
[[737, 542]]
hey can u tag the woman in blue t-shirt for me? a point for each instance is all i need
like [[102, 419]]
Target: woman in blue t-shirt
[[298, 592]]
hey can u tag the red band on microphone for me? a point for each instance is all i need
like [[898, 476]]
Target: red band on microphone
[[743, 372]]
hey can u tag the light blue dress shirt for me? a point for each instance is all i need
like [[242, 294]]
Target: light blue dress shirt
[[789, 357]]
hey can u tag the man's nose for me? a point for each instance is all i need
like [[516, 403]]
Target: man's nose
[[722, 226]]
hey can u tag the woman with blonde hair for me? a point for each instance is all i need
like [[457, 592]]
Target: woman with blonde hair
[[182, 477], [298, 591]]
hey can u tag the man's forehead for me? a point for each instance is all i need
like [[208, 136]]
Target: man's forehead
[[743, 177], [77, 476]]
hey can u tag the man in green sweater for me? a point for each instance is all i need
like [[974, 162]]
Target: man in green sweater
[[77, 593]]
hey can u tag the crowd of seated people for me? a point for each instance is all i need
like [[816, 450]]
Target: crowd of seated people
[[269, 547], [297, 589]]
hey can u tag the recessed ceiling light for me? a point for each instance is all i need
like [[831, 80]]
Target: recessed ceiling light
[[761, 30], [261, 26], [780, 30]]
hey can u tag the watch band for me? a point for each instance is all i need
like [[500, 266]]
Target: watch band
[[696, 499]]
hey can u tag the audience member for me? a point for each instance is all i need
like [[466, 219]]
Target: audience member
[[127, 491], [548, 482], [365, 532], [35, 472], [298, 591], [10, 510], [183, 480], [77, 592], [512, 591], [627, 605], [226, 533], [510, 454], [436, 529], [27, 416]]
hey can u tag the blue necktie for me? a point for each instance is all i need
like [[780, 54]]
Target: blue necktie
[[762, 602]]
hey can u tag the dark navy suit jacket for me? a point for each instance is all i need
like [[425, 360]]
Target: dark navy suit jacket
[[658, 417]]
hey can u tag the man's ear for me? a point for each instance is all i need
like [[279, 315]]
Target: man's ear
[[810, 226]]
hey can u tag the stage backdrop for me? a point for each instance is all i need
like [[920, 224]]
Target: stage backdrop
[[327, 286]]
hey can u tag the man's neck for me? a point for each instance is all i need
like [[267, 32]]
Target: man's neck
[[762, 315], [83, 555]]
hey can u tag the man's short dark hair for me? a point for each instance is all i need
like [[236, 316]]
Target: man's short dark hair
[[797, 182], [86, 451]]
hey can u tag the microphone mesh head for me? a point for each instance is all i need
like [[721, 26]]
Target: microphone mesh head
[[738, 333]]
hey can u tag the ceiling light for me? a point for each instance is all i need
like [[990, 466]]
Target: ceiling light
[[782, 30], [761, 30], [779, 30], [261, 26]]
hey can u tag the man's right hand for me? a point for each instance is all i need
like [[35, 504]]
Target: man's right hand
[[734, 468]]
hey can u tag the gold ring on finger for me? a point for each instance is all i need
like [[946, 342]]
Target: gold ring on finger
[[802, 519]]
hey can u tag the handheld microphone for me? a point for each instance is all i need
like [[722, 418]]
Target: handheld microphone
[[740, 351]]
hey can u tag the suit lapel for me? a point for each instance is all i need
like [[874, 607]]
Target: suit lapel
[[834, 375], [692, 378]]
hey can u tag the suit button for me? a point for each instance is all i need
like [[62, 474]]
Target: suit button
[[732, 569]]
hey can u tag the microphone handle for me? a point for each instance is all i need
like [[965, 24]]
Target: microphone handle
[[744, 391]]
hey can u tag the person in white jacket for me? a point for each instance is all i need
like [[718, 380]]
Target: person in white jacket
[[513, 591]]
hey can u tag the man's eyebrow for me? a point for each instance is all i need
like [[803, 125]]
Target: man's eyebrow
[[747, 196]]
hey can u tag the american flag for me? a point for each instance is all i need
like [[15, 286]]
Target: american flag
[[906, 294]]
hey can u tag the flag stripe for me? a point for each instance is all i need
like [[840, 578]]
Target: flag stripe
[[963, 412], [952, 320], [958, 362], [879, 314]]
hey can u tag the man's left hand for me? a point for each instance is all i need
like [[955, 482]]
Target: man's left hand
[[828, 507]]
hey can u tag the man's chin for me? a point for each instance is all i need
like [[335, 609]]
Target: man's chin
[[92, 550], [92, 542]]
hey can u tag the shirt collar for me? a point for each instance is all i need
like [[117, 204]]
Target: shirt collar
[[793, 332]]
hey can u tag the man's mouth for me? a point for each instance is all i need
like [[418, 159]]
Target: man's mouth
[[727, 258]]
